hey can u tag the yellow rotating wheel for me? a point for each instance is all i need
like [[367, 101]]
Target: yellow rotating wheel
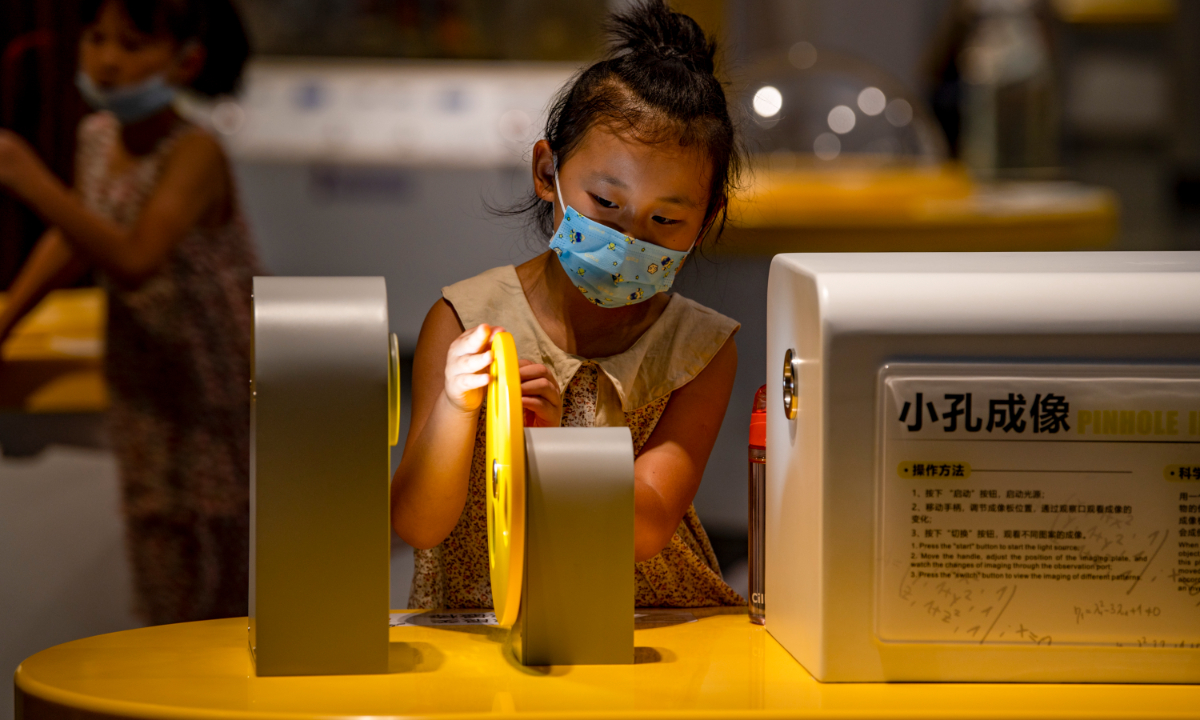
[[393, 389], [506, 479]]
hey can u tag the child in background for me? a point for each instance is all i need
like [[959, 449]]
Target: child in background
[[155, 212], [635, 169]]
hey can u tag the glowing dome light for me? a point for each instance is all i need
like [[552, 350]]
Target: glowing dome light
[[768, 101], [827, 146], [841, 112], [871, 101], [841, 119], [802, 55], [899, 113]]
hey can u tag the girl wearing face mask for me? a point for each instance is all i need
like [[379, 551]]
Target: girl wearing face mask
[[634, 171], [155, 213]]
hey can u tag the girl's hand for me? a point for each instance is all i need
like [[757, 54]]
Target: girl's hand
[[19, 164], [540, 396], [467, 363]]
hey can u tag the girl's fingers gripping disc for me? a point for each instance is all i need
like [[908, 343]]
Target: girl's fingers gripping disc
[[505, 479]]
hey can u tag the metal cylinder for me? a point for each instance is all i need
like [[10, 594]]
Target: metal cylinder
[[322, 405], [577, 601]]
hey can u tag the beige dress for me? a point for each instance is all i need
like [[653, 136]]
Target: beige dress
[[630, 389]]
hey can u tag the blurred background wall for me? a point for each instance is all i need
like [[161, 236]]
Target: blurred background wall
[[373, 137]]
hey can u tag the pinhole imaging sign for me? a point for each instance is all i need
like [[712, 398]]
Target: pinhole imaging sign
[[1039, 505]]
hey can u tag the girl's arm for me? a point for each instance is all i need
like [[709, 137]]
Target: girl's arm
[[51, 265], [450, 372], [429, 489], [668, 472], [193, 181]]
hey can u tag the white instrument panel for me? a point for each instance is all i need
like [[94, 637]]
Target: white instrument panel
[[853, 338]]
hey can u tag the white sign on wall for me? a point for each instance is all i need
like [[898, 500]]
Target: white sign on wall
[[1043, 505]]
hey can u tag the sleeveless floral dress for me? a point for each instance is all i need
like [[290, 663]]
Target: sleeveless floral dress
[[632, 390], [177, 365]]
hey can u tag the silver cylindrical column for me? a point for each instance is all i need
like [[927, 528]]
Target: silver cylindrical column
[[323, 370], [577, 601]]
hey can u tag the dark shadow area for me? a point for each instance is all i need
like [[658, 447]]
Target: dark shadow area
[[650, 618], [510, 656], [414, 657], [489, 633], [27, 434], [729, 547], [647, 655]]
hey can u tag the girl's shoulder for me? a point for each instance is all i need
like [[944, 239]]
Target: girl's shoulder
[[683, 311], [488, 297], [498, 291], [671, 353], [97, 131], [194, 145]]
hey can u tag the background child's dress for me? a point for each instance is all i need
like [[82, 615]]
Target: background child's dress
[[177, 364], [631, 389]]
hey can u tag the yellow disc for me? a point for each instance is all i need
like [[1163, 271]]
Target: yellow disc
[[506, 479], [393, 389]]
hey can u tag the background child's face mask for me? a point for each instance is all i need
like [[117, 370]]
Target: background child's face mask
[[610, 268], [130, 103]]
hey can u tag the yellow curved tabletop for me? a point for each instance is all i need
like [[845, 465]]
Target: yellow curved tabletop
[[53, 361], [719, 665]]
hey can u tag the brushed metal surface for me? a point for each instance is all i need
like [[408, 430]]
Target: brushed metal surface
[[319, 476], [577, 602]]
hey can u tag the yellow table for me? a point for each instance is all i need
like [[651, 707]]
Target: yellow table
[[718, 666], [53, 361]]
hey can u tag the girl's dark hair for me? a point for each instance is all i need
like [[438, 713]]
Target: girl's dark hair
[[657, 81], [215, 24]]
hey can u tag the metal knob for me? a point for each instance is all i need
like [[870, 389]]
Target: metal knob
[[791, 403]]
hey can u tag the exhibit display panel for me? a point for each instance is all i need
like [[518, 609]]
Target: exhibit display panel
[[982, 466], [1056, 506]]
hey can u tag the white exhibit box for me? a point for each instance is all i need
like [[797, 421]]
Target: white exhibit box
[[985, 466]]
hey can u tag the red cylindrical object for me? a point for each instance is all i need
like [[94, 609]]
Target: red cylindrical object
[[756, 539], [758, 419]]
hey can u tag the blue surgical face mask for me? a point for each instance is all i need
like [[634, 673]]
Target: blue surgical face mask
[[610, 268], [130, 103]]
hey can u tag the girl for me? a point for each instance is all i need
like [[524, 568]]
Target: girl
[[155, 212], [635, 169]]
